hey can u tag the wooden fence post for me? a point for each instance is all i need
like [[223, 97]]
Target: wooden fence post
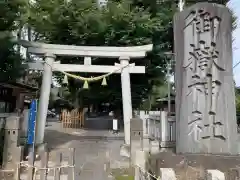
[[72, 119], [83, 117]]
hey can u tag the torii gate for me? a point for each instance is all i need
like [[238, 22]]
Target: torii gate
[[50, 51]]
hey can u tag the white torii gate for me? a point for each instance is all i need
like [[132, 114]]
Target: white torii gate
[[50, 51]]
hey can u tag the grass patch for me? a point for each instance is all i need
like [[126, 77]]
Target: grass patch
[[123, 174], [127, 177]]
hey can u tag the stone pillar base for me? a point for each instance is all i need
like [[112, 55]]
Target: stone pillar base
[[168, 147], [125, 150], [39, 150], [154, 147]]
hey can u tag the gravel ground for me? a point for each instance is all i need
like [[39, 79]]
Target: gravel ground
[[91, 147]]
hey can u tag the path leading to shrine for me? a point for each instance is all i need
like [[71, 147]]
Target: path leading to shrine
[[91, 148]]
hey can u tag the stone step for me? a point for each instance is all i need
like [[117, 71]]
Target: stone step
[[209, 174], [197, 165]]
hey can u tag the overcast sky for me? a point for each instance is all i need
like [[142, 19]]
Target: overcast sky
[[235, 5]]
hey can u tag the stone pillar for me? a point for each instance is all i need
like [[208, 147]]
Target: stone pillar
[[140, 165], [44, 98], [126, 97], [24, 123], [205, 98], [165, 127], [145, 120], [136, 137], [12, 153]]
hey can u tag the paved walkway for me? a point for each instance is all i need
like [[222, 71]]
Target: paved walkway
[[91, 148]]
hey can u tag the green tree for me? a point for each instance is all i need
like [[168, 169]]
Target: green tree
[[118, 24], [11, 61], [121, 23]]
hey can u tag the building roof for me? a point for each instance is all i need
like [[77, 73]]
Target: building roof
[[19, 85]]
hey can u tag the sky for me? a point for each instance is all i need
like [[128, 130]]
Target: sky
[[235, 5]]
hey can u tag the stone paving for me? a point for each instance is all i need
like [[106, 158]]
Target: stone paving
[[91, 148]]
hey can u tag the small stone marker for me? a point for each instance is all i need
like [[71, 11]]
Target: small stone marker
[[167, 174], [215, 175], [12, 153]]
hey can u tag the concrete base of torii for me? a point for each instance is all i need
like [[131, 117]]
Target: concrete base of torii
[[125, 150]]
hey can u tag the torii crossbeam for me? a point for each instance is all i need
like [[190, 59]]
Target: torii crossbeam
[[49, 51]]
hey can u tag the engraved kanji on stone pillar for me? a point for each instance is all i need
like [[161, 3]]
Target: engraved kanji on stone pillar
[[205, 97], [203, 71]]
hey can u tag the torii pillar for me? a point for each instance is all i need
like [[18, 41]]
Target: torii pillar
[[126, 97], [44, 98]]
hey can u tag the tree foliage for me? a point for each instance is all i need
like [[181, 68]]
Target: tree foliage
[[120, 23], [11, 61]]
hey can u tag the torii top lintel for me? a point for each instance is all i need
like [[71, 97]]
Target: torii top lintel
[[91, 51]]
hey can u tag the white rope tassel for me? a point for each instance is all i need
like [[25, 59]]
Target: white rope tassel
[[65, 80]]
